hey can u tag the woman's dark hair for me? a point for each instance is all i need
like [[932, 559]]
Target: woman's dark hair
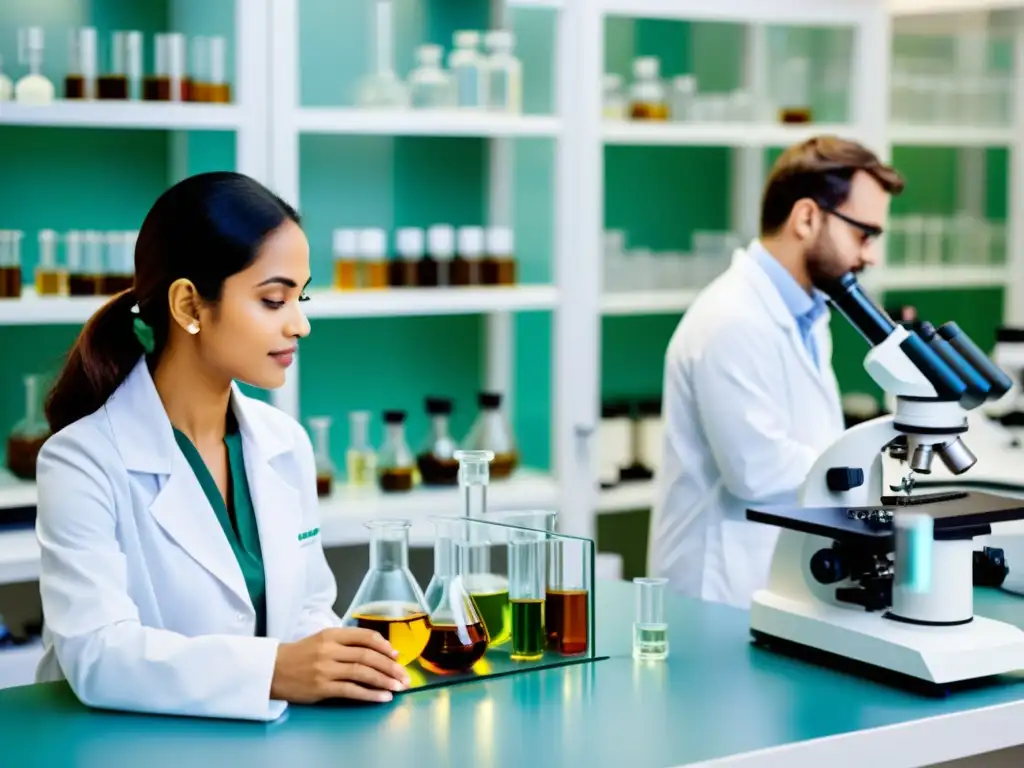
[[204, 229]]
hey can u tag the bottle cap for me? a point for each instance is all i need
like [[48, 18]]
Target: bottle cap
[[441, 241], [471, 242], [646, 67], [430, 55], [394, 417], [500, 40], [409, 243], [346, 243], [500, 241], [466, 38], [439, 406], [489, 400], [372, 244]]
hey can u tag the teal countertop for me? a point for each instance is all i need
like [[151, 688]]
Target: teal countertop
[[718, 700]]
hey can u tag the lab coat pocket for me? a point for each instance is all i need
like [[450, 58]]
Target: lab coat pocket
[[747, 550]]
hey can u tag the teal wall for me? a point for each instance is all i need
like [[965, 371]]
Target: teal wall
[[68, 179]]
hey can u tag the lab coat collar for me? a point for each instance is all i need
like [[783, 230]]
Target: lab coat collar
[[768, 292]]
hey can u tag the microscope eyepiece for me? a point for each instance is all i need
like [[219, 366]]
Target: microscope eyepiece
[[999, 382], [978, 386], [864, 315]]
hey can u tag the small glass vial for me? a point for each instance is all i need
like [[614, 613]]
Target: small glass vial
[[220, 89], [168, 82], [346, 259], [113, 85], [395, 462], [647, 96], [430, 87], [34, 89], [51, 279], [435, 267], [6, 86], [468, 68], [504, 73], [360, 460], [94, 269], [373, 258], [80, 81], [650, 630], [466, 266], [403, 270], [78, 282], [197, 87], [795, 107], [613, 102], [499, 265], [321, 429], [684, 95], [119, 273], [10, 264]]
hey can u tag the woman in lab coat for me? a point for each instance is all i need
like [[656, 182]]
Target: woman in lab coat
[[182, 567]]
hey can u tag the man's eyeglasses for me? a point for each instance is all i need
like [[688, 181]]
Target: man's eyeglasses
[[869, 231]]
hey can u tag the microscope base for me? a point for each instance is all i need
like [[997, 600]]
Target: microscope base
[[923, 654]]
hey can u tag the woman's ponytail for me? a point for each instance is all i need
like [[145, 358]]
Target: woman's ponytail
[[102, 357]]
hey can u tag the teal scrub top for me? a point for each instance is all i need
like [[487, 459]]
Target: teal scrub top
[[239, 520]]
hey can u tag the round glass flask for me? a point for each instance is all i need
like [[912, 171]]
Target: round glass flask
[[389, 600]]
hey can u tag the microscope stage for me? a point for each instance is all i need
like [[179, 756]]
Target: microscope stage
[[956, 514]]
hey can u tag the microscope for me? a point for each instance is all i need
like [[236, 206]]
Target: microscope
[[838, 589]]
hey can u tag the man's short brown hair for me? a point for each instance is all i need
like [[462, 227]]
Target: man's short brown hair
[[820, 169]]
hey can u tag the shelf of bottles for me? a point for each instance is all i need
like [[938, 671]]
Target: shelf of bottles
[[508, 595], [952, 90], [106, 84], [800, 85]]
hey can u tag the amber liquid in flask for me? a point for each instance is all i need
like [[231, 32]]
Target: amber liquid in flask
[[452, 649], [403, 625], [566, 621]]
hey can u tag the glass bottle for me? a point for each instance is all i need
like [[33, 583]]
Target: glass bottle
[[458, 637], [94, 268], [169, 81], [647, 96], [373, 258], [198, 88], [80, 81], [491, 432], [119, 274], [6, 86], [321, 428], [613, 102], [10, 264], [34, 89], [346, 259], [468, 260], [430, 87], [79, 283], [51, 279], [435, 265], [795, 104], [504, 73], [389, 600], [360, 460], [220, 88], [468, 68], [683, 98], [395, 462], [113, 84], [499, 265], [382, 88], [403, 270], [29, 434], [436, 459]]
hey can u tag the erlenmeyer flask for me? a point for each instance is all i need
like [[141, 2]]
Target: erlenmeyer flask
[[491, 432], [321, 428], [458, 638], [389, 600], [489, 590], [28, 435], [436, 459]]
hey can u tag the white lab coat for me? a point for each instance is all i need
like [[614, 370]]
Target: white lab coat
[[746, 414], [144, 603]]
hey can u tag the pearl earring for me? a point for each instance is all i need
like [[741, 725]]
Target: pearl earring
[[192, 328]]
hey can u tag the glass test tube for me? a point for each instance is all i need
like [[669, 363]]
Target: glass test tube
[[474, 476], [527, 585], [650, 632], [566, 606]]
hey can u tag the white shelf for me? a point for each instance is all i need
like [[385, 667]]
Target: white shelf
[[936, 278], [399, 302], [647, 302], [343, 514], [652, 133], [950, 136], [348, 120], [626, 497], [123, 114]]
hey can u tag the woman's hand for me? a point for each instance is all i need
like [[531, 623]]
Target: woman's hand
[[337, 664]]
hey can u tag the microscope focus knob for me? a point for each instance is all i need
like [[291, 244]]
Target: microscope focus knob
[[828, 566]]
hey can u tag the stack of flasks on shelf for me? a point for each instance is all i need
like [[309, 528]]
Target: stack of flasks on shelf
[[648, 97], [537, 609], [435, 259], [641, 269], [629, 441], [395, 468], [961, 240], [94, 264], [122, 76], [473, 80]]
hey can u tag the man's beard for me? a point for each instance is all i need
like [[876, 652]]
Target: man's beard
[[824, 266]]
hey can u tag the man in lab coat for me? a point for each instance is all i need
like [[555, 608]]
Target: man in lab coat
[[750, 398]]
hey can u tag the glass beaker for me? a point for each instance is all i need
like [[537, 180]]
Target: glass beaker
[[491, 432], [389, 600], [321, 428], [489, 590], [395, 463], [360, 459], [29, 434], [436, 460], [526, 589], [566, 605], [650, 631], [458, 637]]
